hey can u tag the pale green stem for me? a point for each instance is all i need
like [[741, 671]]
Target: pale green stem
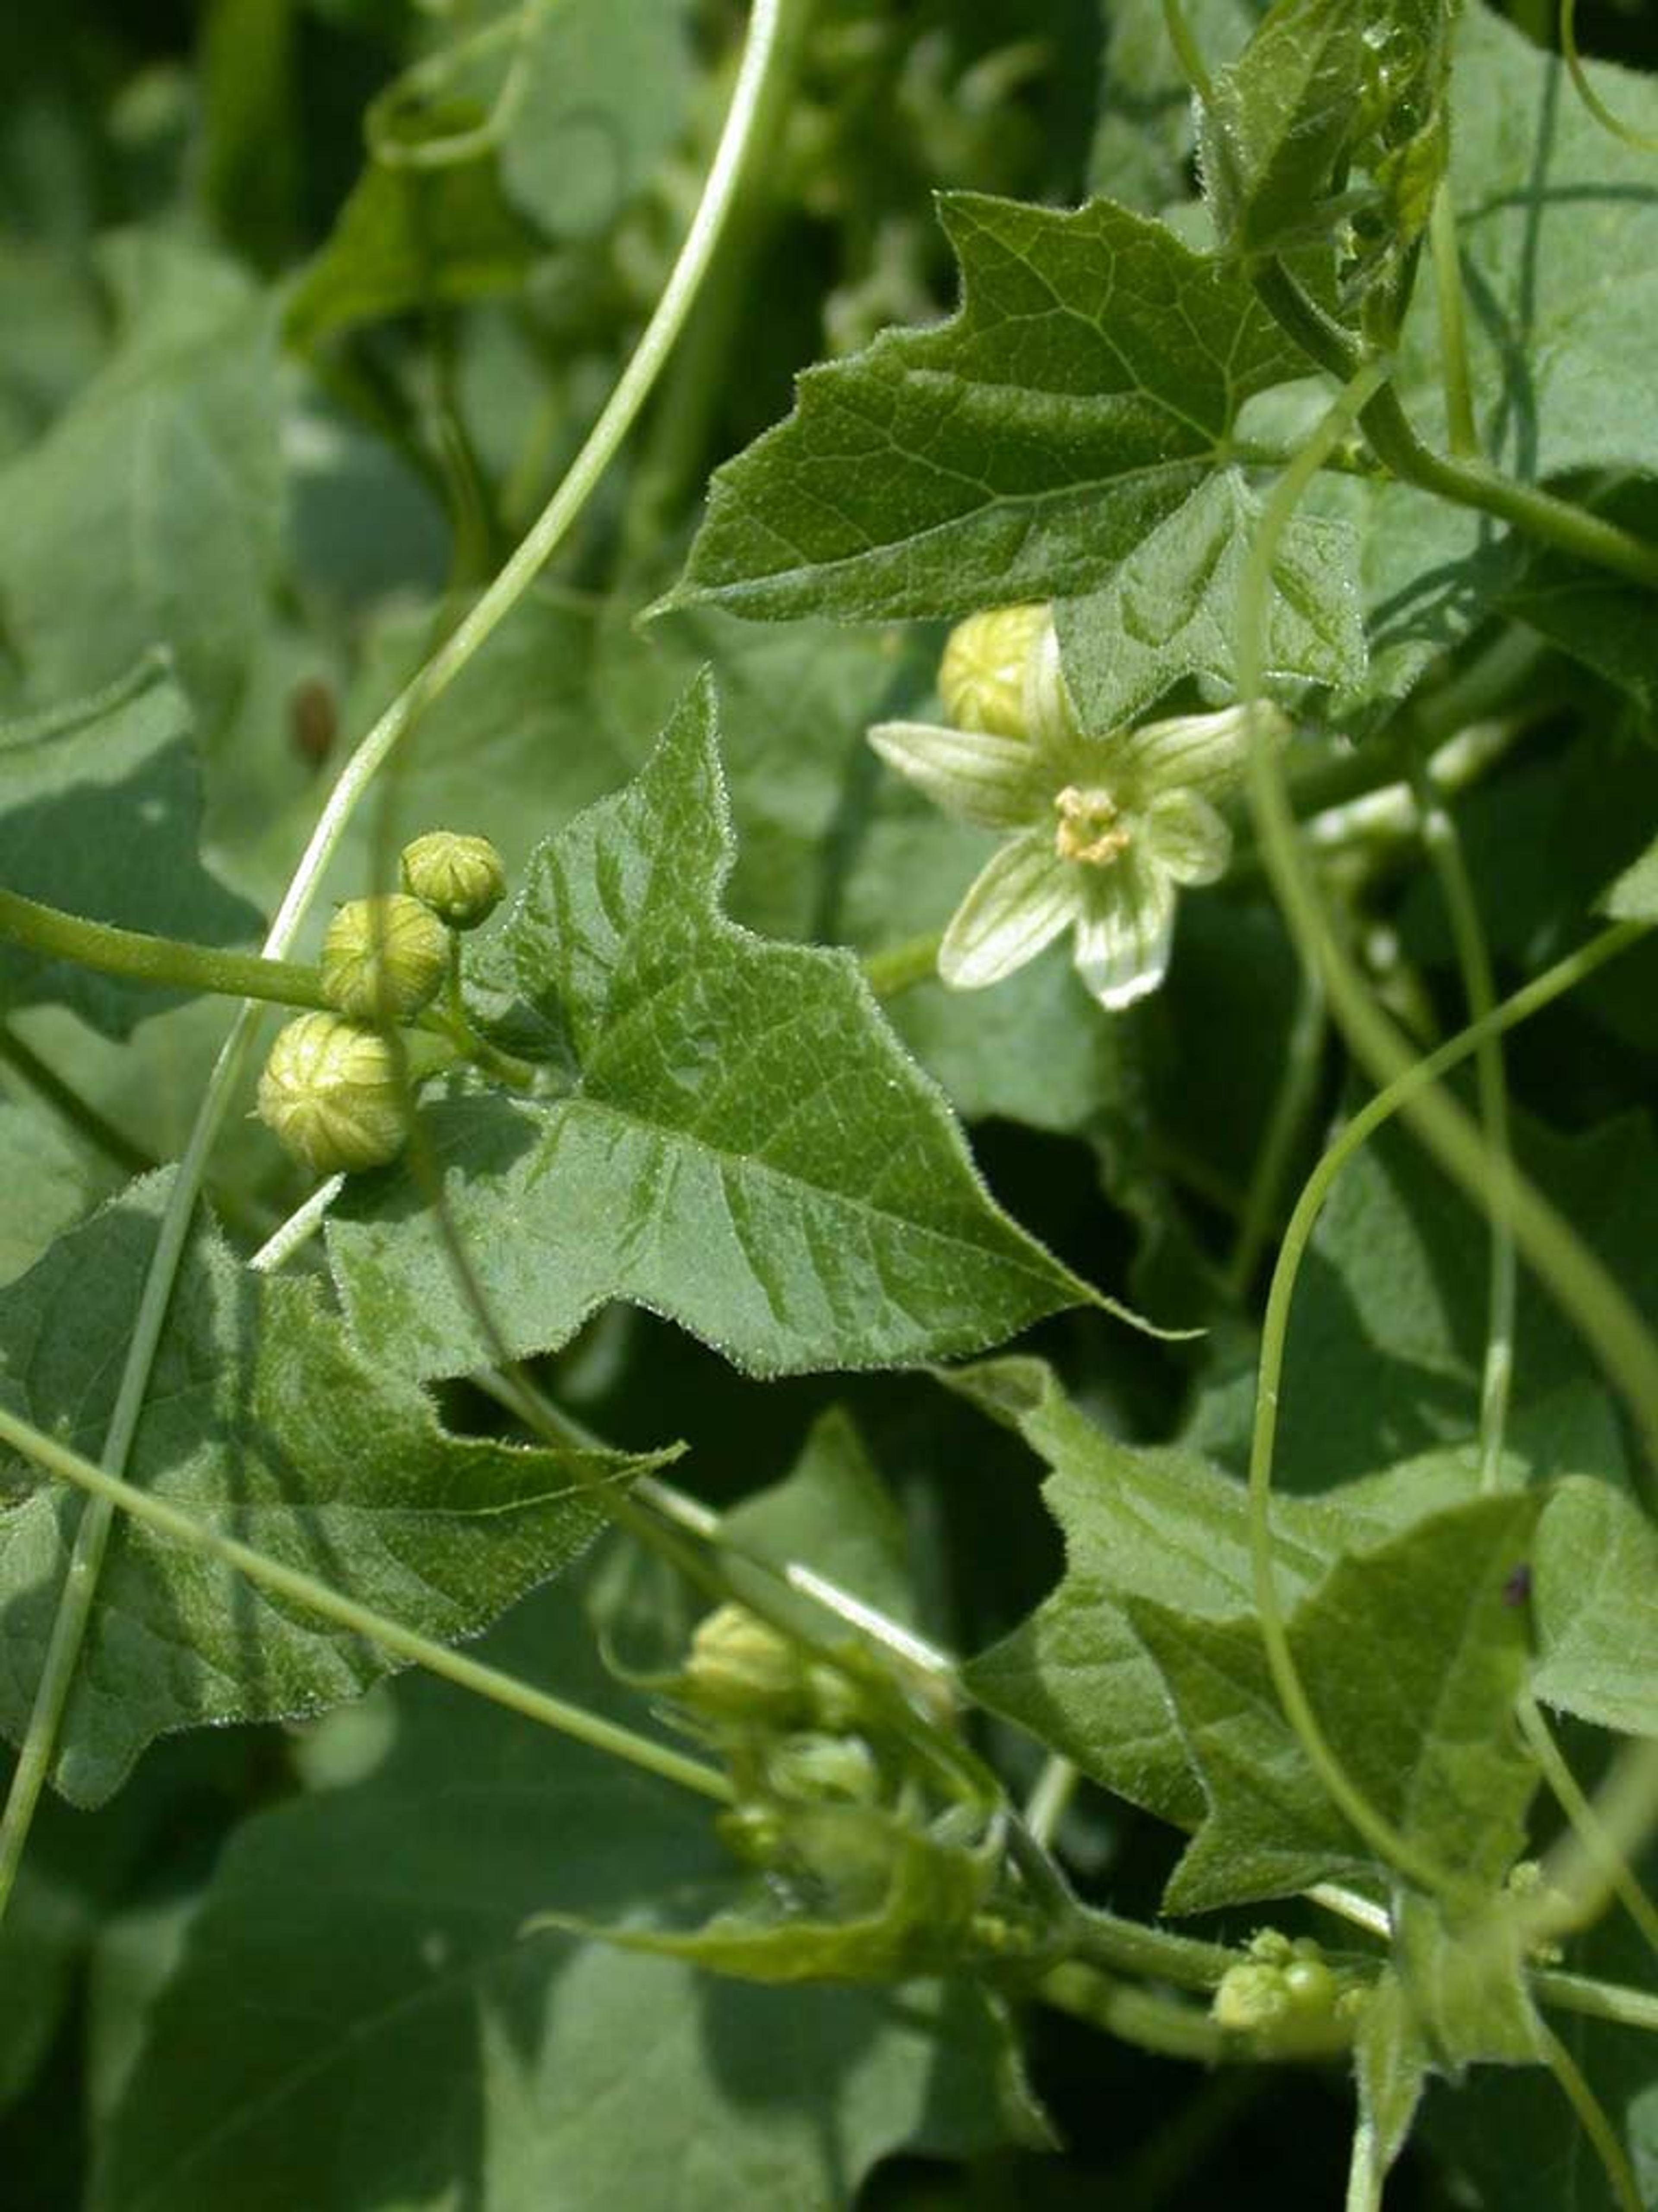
[[163, 961], [1168, 2026], [1574, 1888], [899, 968], [1612, 1869], [301, 1226], [475, 627], [1297, 1089], [333, 1605], [1597, 2000], [1056, 1785], [1620, 2177], [1364, 2174], [1642, 140], [1453, 326], [1444, 849], [1187, 52]]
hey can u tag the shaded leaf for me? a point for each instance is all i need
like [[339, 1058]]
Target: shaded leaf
[[410, 2045], [1594, 1598], [1412, 1654], [742, 1146], [150, 512], [100, 812], [264, 1421], [1170, 611]]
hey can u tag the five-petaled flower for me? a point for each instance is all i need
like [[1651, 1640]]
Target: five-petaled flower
[[1102, 829]]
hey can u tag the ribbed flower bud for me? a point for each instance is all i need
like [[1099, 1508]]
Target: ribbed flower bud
[[739, 1669], [384, 958], [462, 879], [985, 676], [331, 1092]]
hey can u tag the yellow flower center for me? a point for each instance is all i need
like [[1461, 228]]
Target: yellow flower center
[[1088, 827]]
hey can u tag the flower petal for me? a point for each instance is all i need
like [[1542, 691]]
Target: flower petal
[[1193, 752], [1124, 935], [1185, 837], [1021, 900], [972, 774]]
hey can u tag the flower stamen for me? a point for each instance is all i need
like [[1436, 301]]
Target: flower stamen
[[1089, 829]]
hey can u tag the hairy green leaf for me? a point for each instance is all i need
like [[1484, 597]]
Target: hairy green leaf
[[1083, 393], [267, 1423], [1595, 1597], [740, 1144], [1412, 1655]]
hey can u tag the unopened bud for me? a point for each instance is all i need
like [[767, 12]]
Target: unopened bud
[[332, 1092], [986, 672], [739, 1669], [462, 879], [384, 958]]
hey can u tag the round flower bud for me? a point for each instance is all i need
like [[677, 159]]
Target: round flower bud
[[1249, 1998], [462, 879], [332, 1093], [984, 675], [1310, 1987], [740, 1670], [816, 1769], [384, 958]]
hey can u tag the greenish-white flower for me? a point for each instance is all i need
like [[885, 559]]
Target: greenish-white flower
[[1102, 831]]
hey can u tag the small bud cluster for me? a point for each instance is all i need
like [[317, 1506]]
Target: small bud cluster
[[1284, 1988], [333, 1089]]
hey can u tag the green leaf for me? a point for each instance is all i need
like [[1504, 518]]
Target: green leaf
[[1322, 88], [100, 812], [410, 2046], [267, 1423], [1170, 611], [1595, 1600], [413, 234], [1083, 393], [1634, 896], [1391, 2062], [1464, 1978], [1412, 1655], [601, 91], [50, 1181], [1388, 1335], [1143, 142], [742, 1146], [1139, 1523], [150, 512]]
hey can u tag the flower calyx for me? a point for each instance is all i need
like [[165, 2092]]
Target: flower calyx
[[462, 878], [384, 958], [334, 1094]]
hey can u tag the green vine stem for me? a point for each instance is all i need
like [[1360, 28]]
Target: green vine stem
[[1614, 1870], [1453, 326], [1169, 2028], [1620, 2177], [161, 960], [1552, 521], [1641, 140], [470, 633], [1444, 849], [333, 1605], [1292, 1103]]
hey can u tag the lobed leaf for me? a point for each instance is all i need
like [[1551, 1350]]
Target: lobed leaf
[[742, 1144], [265, 1422]]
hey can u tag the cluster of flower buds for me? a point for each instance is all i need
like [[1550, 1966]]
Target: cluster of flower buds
[[334, 1089], [1285, 1990]]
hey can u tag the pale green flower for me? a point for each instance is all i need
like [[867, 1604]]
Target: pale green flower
[[1102, 830]]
